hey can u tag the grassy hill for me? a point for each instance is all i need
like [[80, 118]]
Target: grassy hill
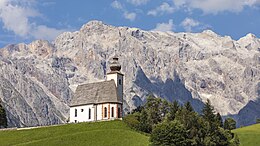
[[249, 136], [99, 133]]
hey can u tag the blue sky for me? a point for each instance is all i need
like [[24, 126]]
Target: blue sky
[[27, 20]]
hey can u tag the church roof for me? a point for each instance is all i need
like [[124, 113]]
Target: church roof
[[93, 93]]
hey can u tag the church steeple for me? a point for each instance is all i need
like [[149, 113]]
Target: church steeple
[[114, 65], [116, 75]]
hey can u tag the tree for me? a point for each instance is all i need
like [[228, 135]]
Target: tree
[[145, 124], [171, 124], [188, 106], [219, 120], [132, 120], [169, 133], [235, 141], [230, 124], [3, 119], [208, 112], [209, 116], [164, 108], [174, 107], [152, 108], [257, 121]]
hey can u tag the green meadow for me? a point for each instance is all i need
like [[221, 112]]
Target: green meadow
[[92, 134], [249, 136], [109, 133]]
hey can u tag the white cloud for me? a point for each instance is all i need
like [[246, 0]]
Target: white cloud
[[189, 23], [163, 8], [138, 2], [117, 5], [216, 6], [44, 32], [130, 16], [165, 26], [16, 16], [127, 15]]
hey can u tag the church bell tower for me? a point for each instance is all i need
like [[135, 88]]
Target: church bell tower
[[117, 76]]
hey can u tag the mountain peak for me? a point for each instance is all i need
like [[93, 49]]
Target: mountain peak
[[250, 36], [210, 32], [94, 22], [94, 25]]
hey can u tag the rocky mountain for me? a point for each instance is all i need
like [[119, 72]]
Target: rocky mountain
[[37, 80]]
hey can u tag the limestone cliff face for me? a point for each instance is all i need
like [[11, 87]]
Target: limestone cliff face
[[37, 80]]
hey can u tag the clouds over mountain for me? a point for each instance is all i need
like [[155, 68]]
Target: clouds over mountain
[[216, 6], [127, 15], [162, 9], [189, 23], [138, 2], [165, 26], [17, 17]]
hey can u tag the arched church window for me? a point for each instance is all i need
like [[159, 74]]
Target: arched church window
[[89, 113], [120, 82], [112, 112], [76, 112], [105, 112]]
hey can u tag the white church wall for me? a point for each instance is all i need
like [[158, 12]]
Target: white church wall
[[99, 112], [109, 106], [118, 78], [82, 113], [112, 77]]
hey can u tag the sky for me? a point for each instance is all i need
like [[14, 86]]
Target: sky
[[28, 20]]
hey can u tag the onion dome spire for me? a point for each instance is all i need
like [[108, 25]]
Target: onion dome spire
[[114, 65]]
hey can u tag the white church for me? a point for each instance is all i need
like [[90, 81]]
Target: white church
[[101, 100]]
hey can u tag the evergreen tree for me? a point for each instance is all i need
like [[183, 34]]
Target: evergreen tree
[[174, 107], [171, 124], [219, 120], [164, 108], [3, 119], [169, 134], [235, 141], [208, 112], [152, 107], [230, 124], [144, 123], [257, 121], [188, 107]]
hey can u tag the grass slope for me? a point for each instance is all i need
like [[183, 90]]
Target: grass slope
[[249, 136], [100, 133]]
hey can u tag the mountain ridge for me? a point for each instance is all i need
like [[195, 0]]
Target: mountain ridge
[[175, 66]]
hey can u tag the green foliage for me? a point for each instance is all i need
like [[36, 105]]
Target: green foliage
[[219, 120], [169, 134], [230, 124], [188, 107], [3, 119], [153, 110], [208, 112], [110, 133], [132, 120], [173, 108], [171, 124], [220, 137], [257, 121], [145, 122], [235, 141]]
